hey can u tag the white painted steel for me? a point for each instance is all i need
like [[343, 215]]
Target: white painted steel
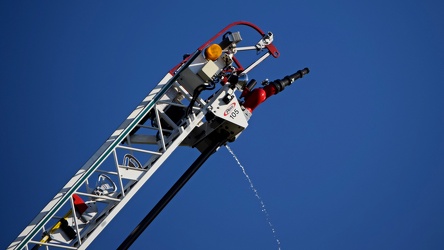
[[80, 179], [154, 145]]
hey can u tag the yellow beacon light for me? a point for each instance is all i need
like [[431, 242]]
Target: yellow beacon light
[[213, 52]]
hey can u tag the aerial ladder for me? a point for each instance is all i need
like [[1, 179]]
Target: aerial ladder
[[178, 112]]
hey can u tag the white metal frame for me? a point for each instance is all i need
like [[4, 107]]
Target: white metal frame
[[107, 161]]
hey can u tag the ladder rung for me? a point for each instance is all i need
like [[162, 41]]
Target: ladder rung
[[98, 196], [139, 150]]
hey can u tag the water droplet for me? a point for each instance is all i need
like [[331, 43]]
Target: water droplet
[[256, 193]]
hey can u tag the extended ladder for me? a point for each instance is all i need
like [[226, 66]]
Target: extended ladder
[[171, 115]]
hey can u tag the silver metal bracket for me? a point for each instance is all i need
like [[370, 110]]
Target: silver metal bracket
[[266, 40]]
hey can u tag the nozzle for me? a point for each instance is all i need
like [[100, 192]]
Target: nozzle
[[288, 80], [259, 95]]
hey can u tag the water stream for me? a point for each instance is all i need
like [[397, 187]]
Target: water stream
[[261, 201]]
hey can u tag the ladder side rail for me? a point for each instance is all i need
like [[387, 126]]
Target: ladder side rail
[[109, 199], [93, 163]]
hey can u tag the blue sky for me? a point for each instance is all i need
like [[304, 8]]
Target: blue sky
[[349, 157]]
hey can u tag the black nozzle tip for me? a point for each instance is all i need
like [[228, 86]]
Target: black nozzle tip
[[303, 72]]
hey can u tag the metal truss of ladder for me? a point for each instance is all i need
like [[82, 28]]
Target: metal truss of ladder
[[92, 183], [109, 179]]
